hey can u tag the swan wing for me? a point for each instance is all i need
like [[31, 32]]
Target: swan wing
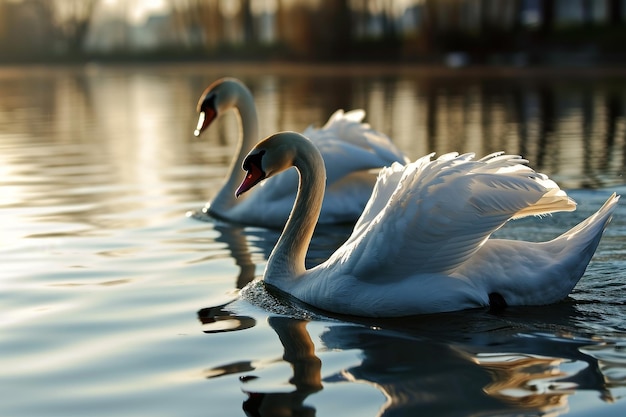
[[348, 145], [430, 216], [386, 184]]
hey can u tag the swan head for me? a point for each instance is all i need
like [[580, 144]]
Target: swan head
[[218, 97], [272, 155]]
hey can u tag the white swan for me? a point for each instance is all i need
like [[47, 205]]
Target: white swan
[[422, 244], [349, 148]]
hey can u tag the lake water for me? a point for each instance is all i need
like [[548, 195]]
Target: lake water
[[117, 302]]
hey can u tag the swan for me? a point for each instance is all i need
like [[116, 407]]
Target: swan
[[350, 149], [422, 243]]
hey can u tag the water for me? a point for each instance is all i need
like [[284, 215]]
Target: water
[[116, 302]]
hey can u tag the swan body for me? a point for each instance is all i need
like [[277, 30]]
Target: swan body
[[350, 148], [422, 244]]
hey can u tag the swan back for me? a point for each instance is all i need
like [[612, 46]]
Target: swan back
[[359, 146]]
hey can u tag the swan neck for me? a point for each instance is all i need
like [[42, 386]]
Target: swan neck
[[247, 120], [287, 260]]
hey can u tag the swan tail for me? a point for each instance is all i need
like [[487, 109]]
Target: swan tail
[[592, 227], [545, 272], [576, 247]]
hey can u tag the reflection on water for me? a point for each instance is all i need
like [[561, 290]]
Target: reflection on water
[[436, 367], [573, 129], [127, 306], [299, 352], [218, 319]]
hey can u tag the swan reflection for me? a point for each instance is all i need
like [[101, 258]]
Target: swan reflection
[[219, 319], [251, 246], [439, 365], [299, 352], [247, 246]]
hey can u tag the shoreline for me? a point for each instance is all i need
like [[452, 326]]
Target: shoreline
[[363, 68]]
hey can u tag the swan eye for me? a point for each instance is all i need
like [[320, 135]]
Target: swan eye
[[254, 174], [208, 103], [254, 160]]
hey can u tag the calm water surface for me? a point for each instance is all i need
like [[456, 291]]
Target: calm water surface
[[117, 302]]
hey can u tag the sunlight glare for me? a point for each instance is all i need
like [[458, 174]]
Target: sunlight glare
[[142, 9]]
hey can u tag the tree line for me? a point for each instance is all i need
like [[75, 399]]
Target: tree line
[[34, 30]]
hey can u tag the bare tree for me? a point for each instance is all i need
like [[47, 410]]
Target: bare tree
[[69, 21], [199, 22]]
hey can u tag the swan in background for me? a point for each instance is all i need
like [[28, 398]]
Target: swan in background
[[350, 149], [422, 243]]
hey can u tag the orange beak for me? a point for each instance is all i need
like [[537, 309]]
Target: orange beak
[[254, 176]]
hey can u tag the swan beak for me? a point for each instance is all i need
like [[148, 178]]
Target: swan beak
[[254, 176], [204, 120]]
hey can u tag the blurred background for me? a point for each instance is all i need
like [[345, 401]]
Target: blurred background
[[452, 32], [108, 288]]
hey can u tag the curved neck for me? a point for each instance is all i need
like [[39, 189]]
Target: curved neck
[[288, 257], [248, 122]]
